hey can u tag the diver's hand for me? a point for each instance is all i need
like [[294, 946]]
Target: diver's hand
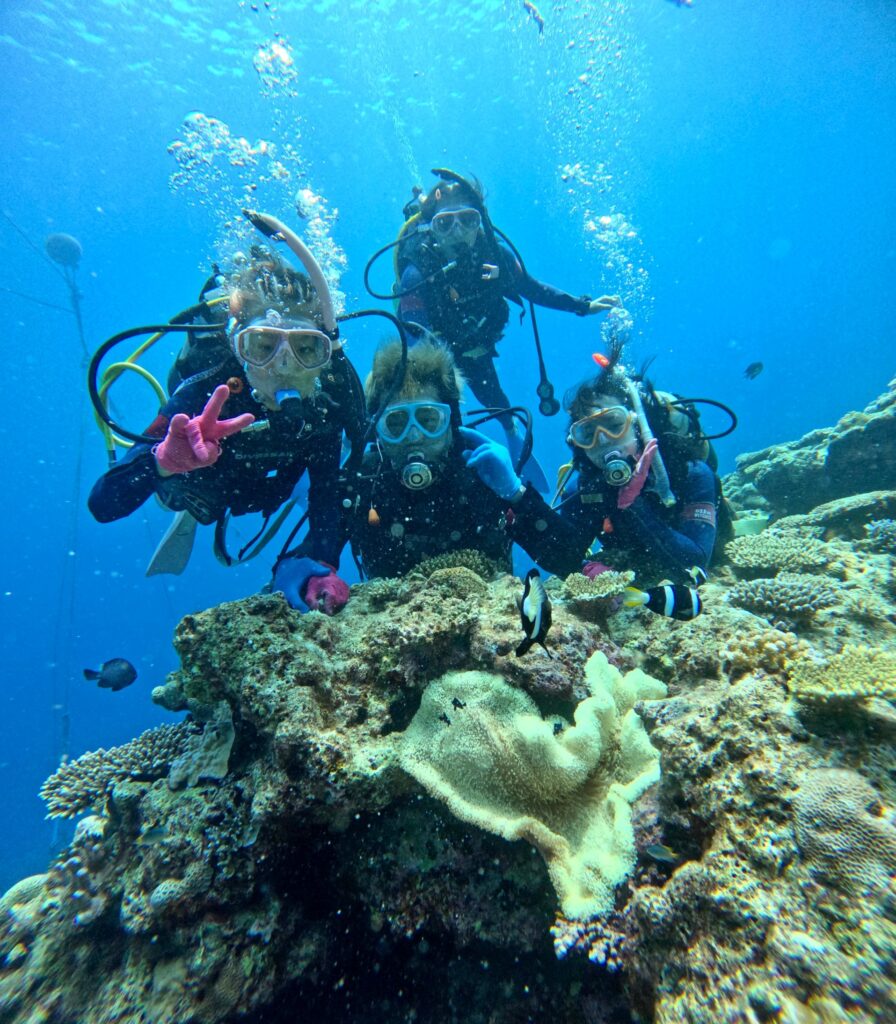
[[594, 569], [494, 467], [327, 594], [194, 442], [633, 488], [293, 575], [602, 304]]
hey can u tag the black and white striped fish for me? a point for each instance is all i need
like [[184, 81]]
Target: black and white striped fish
[[670, 599], [535, 613]]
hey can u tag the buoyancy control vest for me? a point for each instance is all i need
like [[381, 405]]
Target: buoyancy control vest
[[467, 312]]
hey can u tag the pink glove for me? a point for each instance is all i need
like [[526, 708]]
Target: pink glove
[[327, 594], [634, 487], [593, 569], [193, 443]]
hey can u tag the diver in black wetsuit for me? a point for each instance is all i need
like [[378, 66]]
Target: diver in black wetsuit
[[413, 497], [290, 394], [650, 506], [456, 280]]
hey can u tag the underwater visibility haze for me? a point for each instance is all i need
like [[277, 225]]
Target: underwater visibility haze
[[719, 842]]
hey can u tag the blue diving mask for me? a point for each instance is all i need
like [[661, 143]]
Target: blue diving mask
[[431, 419]]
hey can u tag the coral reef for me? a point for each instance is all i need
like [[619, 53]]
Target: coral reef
[[328, 827], [823, 465], [465, 558]]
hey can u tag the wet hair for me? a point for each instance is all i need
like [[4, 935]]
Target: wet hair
[[430, 368], [610, 380], [452, 193], [265, 282]]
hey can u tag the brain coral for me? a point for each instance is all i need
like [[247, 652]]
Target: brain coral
[[774, 551], [856, 673], [844, 831], [83, 783], [791, 596], [568, 789]]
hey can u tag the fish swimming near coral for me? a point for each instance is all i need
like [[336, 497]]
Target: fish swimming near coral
[[535, 613], [697, 575], [753, 370], [662, 853], [670, 599], [115, 674], [534, 14]]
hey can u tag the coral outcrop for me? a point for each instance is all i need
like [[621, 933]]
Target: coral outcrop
[[388, 816]]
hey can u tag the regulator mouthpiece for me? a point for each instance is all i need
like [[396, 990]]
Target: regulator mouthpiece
[[290, 401], [617, 470], [416, 475]]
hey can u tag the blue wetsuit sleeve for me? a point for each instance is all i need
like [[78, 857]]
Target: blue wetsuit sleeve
[[541, 294], [411, 306], [691, 540], [123, 488]]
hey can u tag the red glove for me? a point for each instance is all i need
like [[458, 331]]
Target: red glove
[[194, 443], [634, 487], [327, 594], [593, 569]]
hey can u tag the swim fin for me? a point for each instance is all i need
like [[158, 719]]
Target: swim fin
[[173, 553]]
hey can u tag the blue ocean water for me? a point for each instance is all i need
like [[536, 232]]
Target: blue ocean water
[[728, 168]]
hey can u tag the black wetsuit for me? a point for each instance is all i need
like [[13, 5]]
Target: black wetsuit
[[257, 469], [655, 541], [470, 314], [455, 512]]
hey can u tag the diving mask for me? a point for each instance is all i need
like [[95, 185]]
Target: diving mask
[[604, 426], [466, 220], [431, 419], [259, 344]]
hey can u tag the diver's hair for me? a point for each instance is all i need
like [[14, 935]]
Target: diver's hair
[[448, 193], [265, 282], [430, 368], [610, 380]]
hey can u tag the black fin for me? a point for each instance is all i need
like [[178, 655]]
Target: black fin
[[524, 647], [91, 673]]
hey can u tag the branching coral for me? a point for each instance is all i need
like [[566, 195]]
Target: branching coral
[[85, 782], [844, 830], [593, 599], [788, 598], [465, 558], [856, 673], [776, 551], [771, 650], [881, 536]]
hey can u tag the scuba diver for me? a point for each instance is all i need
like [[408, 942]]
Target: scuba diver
[[412, 497], [455, 280], [238, 435], [643, 488]]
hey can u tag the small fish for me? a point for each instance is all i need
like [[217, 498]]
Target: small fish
[[457, 704], [534, 14], [115, 674], [664, 854], [753, 371], [558, 728], [444, 718], [152, 836], [535, 613], [670, 599], [697, 575]]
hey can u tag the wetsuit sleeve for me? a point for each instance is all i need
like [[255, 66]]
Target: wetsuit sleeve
[[557, 539], [326, 532], [541, 294], [690, 541], [123, 488], [411, 306]]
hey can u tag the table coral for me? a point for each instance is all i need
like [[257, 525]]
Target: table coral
[[776, 551], [498, 764], [854, 674]]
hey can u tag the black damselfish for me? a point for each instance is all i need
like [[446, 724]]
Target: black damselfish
[[671, 599], [115, 674], [535, 613]]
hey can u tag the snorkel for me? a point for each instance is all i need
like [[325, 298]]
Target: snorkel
[[660, 476]]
